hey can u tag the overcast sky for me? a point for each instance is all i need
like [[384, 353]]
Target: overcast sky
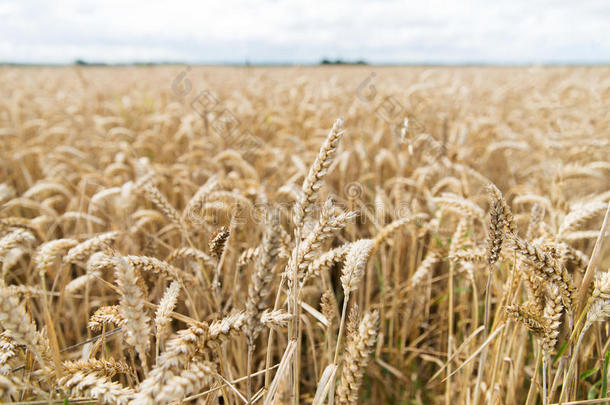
[[270, 31]]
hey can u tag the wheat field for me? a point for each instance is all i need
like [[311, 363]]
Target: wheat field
[[284, 235]]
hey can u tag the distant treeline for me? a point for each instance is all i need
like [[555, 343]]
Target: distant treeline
[[81, 62], [342, 62]]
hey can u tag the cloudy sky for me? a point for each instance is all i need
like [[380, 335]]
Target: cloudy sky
[[274, 31]]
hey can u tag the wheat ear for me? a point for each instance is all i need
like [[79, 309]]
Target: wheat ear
[[15, 320], [352, 272], [132, 309], [191, 380], [108, 368], [259, 289], [108, 315], [547, 268], [163, 316], [355, 262], [48, 252], [187, 344], [94, 384], [360, 344], [83, 250], [154, 195], [314, 180], [218, 241]]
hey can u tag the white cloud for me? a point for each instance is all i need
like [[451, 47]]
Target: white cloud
[[296, 31]]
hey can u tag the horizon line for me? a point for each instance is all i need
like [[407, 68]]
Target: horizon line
[[323, 63]]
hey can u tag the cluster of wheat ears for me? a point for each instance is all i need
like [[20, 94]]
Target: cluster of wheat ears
[[151, 256]]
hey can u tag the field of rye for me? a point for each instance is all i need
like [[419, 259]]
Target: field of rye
[[242, 235]]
